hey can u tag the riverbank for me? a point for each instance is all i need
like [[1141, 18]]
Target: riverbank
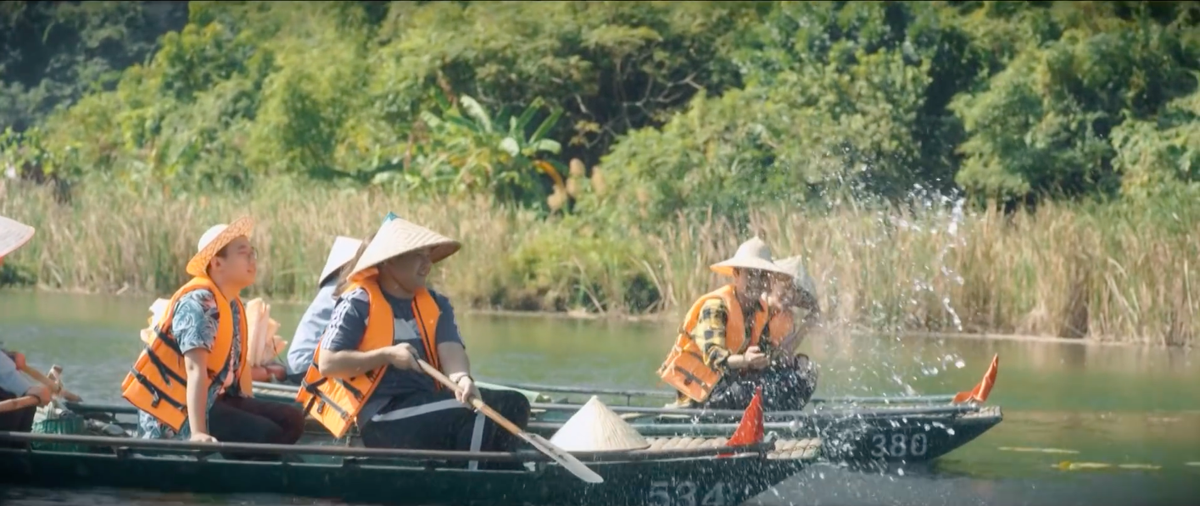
[[1098, 274]]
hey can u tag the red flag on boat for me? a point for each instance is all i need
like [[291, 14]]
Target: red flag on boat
[[750, 430], [981, 391]]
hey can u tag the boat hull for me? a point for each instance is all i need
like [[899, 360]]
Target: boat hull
[[908, 435], [709, 480]]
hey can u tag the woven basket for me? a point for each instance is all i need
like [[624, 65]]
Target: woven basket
[[69, 424]]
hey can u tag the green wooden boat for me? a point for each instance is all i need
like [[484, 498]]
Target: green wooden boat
[[855, 430], [672, 470]]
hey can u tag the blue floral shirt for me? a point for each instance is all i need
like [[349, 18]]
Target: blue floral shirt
[[194, 325]]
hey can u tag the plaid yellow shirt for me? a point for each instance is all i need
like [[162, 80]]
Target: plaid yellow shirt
[[709, 332]]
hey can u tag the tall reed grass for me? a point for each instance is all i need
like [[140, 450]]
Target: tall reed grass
[[1103, 273]]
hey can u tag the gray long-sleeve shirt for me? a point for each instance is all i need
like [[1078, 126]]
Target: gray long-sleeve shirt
[[312, 326], [11, 380]]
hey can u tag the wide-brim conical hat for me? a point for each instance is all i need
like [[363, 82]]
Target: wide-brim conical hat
[[13, 235], [795, 268], [340, 254], [752, 254], [399, 236], [214, 239], [595, 428]]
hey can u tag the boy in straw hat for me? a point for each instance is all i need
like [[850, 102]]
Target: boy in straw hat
[[13, 384], [718, 358], [365, 371], [316, 317], [192, 380]]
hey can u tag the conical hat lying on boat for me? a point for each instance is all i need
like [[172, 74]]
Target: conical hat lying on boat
[[595, 428]]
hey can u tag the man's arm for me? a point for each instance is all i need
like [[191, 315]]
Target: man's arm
[[709, 334], [194, 326], [195, 363], [455, 362], [12, 381], [339, 356], [452, 353]]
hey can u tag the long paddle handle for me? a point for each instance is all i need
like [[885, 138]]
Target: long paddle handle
[[54, 387], [20, 402], [475, 401]]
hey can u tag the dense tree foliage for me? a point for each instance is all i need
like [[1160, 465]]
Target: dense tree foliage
[[633, 109]]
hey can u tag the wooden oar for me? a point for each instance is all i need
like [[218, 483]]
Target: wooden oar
[[54, 387], [18, 403], [559, 455]]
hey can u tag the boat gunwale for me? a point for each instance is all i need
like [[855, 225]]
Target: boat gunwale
[[537, 388], [348, 452], [834, 413], [970, 418], [815, 416]]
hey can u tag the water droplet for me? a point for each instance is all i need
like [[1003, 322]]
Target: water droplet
[[959, 363]]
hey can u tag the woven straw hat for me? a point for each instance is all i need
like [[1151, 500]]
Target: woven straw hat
[[595, 428], [341, 254], [398, 236], [214, 239], [752, 254], [13, 235], [802, 280]]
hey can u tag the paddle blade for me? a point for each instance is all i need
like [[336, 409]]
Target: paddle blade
[[565, 459], [981, 391]]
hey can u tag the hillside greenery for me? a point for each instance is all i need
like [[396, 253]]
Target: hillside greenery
[[611, 121]]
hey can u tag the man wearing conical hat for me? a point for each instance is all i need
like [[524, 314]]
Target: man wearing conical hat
[[365, 371], [13, 384], [192, 381], [718, 356]]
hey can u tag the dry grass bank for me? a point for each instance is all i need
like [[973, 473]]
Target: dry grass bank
[[1102, 274]]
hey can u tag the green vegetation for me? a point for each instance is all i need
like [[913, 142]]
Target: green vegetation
[[599, 154]]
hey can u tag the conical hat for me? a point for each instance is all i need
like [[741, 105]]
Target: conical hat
[[399, 236], [595, 428], [796, 269], [214, 239], [752, 254], [340, 254], [13, 235]]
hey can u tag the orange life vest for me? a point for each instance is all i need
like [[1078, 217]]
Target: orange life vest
[[685, 368], [337, 401], [157, 384]]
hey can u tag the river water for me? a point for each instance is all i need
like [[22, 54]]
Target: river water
[[1063, 402]]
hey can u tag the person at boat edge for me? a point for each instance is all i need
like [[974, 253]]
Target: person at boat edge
[[316, 317], [192, 381], [723, 349], [365, 372], [13, 384], [791, 295]]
